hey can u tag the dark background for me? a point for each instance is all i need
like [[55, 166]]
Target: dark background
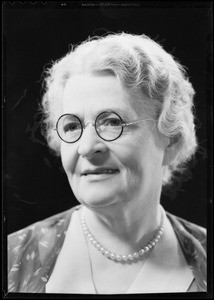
[[35, 187]]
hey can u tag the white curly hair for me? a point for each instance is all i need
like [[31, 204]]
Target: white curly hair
[[144, 68]]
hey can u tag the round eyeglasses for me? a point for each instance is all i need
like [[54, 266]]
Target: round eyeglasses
[[108, 125]]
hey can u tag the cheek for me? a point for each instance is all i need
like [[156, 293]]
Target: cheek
[[68, 158], [153, 159], [142, 157], [132, 159]]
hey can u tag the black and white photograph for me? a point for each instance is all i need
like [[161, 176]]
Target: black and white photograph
[[107, 149]]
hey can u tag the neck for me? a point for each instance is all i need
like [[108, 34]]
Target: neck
[[125, 228]]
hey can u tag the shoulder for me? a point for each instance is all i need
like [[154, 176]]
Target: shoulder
[[46, 224], [193, 242], [33, 250], [32, 235], [188, 229]]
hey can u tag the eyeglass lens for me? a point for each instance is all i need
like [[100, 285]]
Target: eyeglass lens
[[108, 125]]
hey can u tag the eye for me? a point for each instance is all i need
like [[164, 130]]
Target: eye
[[71, 127], [113, 122]]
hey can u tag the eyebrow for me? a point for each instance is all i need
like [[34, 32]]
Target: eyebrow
[[123, 113]]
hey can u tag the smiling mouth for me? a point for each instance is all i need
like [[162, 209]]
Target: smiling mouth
[[100, 172]]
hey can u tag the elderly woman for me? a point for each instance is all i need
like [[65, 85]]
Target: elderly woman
[[118, 110]]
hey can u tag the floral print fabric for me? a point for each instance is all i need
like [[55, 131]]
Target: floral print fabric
[[33, 251]]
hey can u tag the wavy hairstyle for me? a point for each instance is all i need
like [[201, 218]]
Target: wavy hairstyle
[[145, 69]]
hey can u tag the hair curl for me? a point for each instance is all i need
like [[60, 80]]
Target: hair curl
[[144, 68]]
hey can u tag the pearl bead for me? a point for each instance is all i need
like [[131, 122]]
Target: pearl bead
[[118, 257], [107, 253], [146, 249], [136, 255], [112, 255], [124, 258], [130, 257], [141, 252]]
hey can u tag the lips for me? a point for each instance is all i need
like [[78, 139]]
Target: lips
[[99, 171]]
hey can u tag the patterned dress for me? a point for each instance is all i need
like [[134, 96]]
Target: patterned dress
[[33, 251]]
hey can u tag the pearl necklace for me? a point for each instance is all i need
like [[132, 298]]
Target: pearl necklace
[[119, 257]]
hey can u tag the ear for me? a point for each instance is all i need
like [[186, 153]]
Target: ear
[[171, 150]]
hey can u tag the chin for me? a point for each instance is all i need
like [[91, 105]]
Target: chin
[[96, 193], [97, 199]]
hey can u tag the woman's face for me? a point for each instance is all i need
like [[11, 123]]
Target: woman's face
[[103, 173]]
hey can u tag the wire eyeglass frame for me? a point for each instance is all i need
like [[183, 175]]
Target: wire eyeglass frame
[[83, 126]]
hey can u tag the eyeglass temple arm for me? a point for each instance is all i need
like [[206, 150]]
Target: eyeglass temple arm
[[135, 122]]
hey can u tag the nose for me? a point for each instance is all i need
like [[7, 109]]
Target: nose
[[90, 144]]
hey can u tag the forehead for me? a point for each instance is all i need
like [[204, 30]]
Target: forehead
[[87, 95]]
